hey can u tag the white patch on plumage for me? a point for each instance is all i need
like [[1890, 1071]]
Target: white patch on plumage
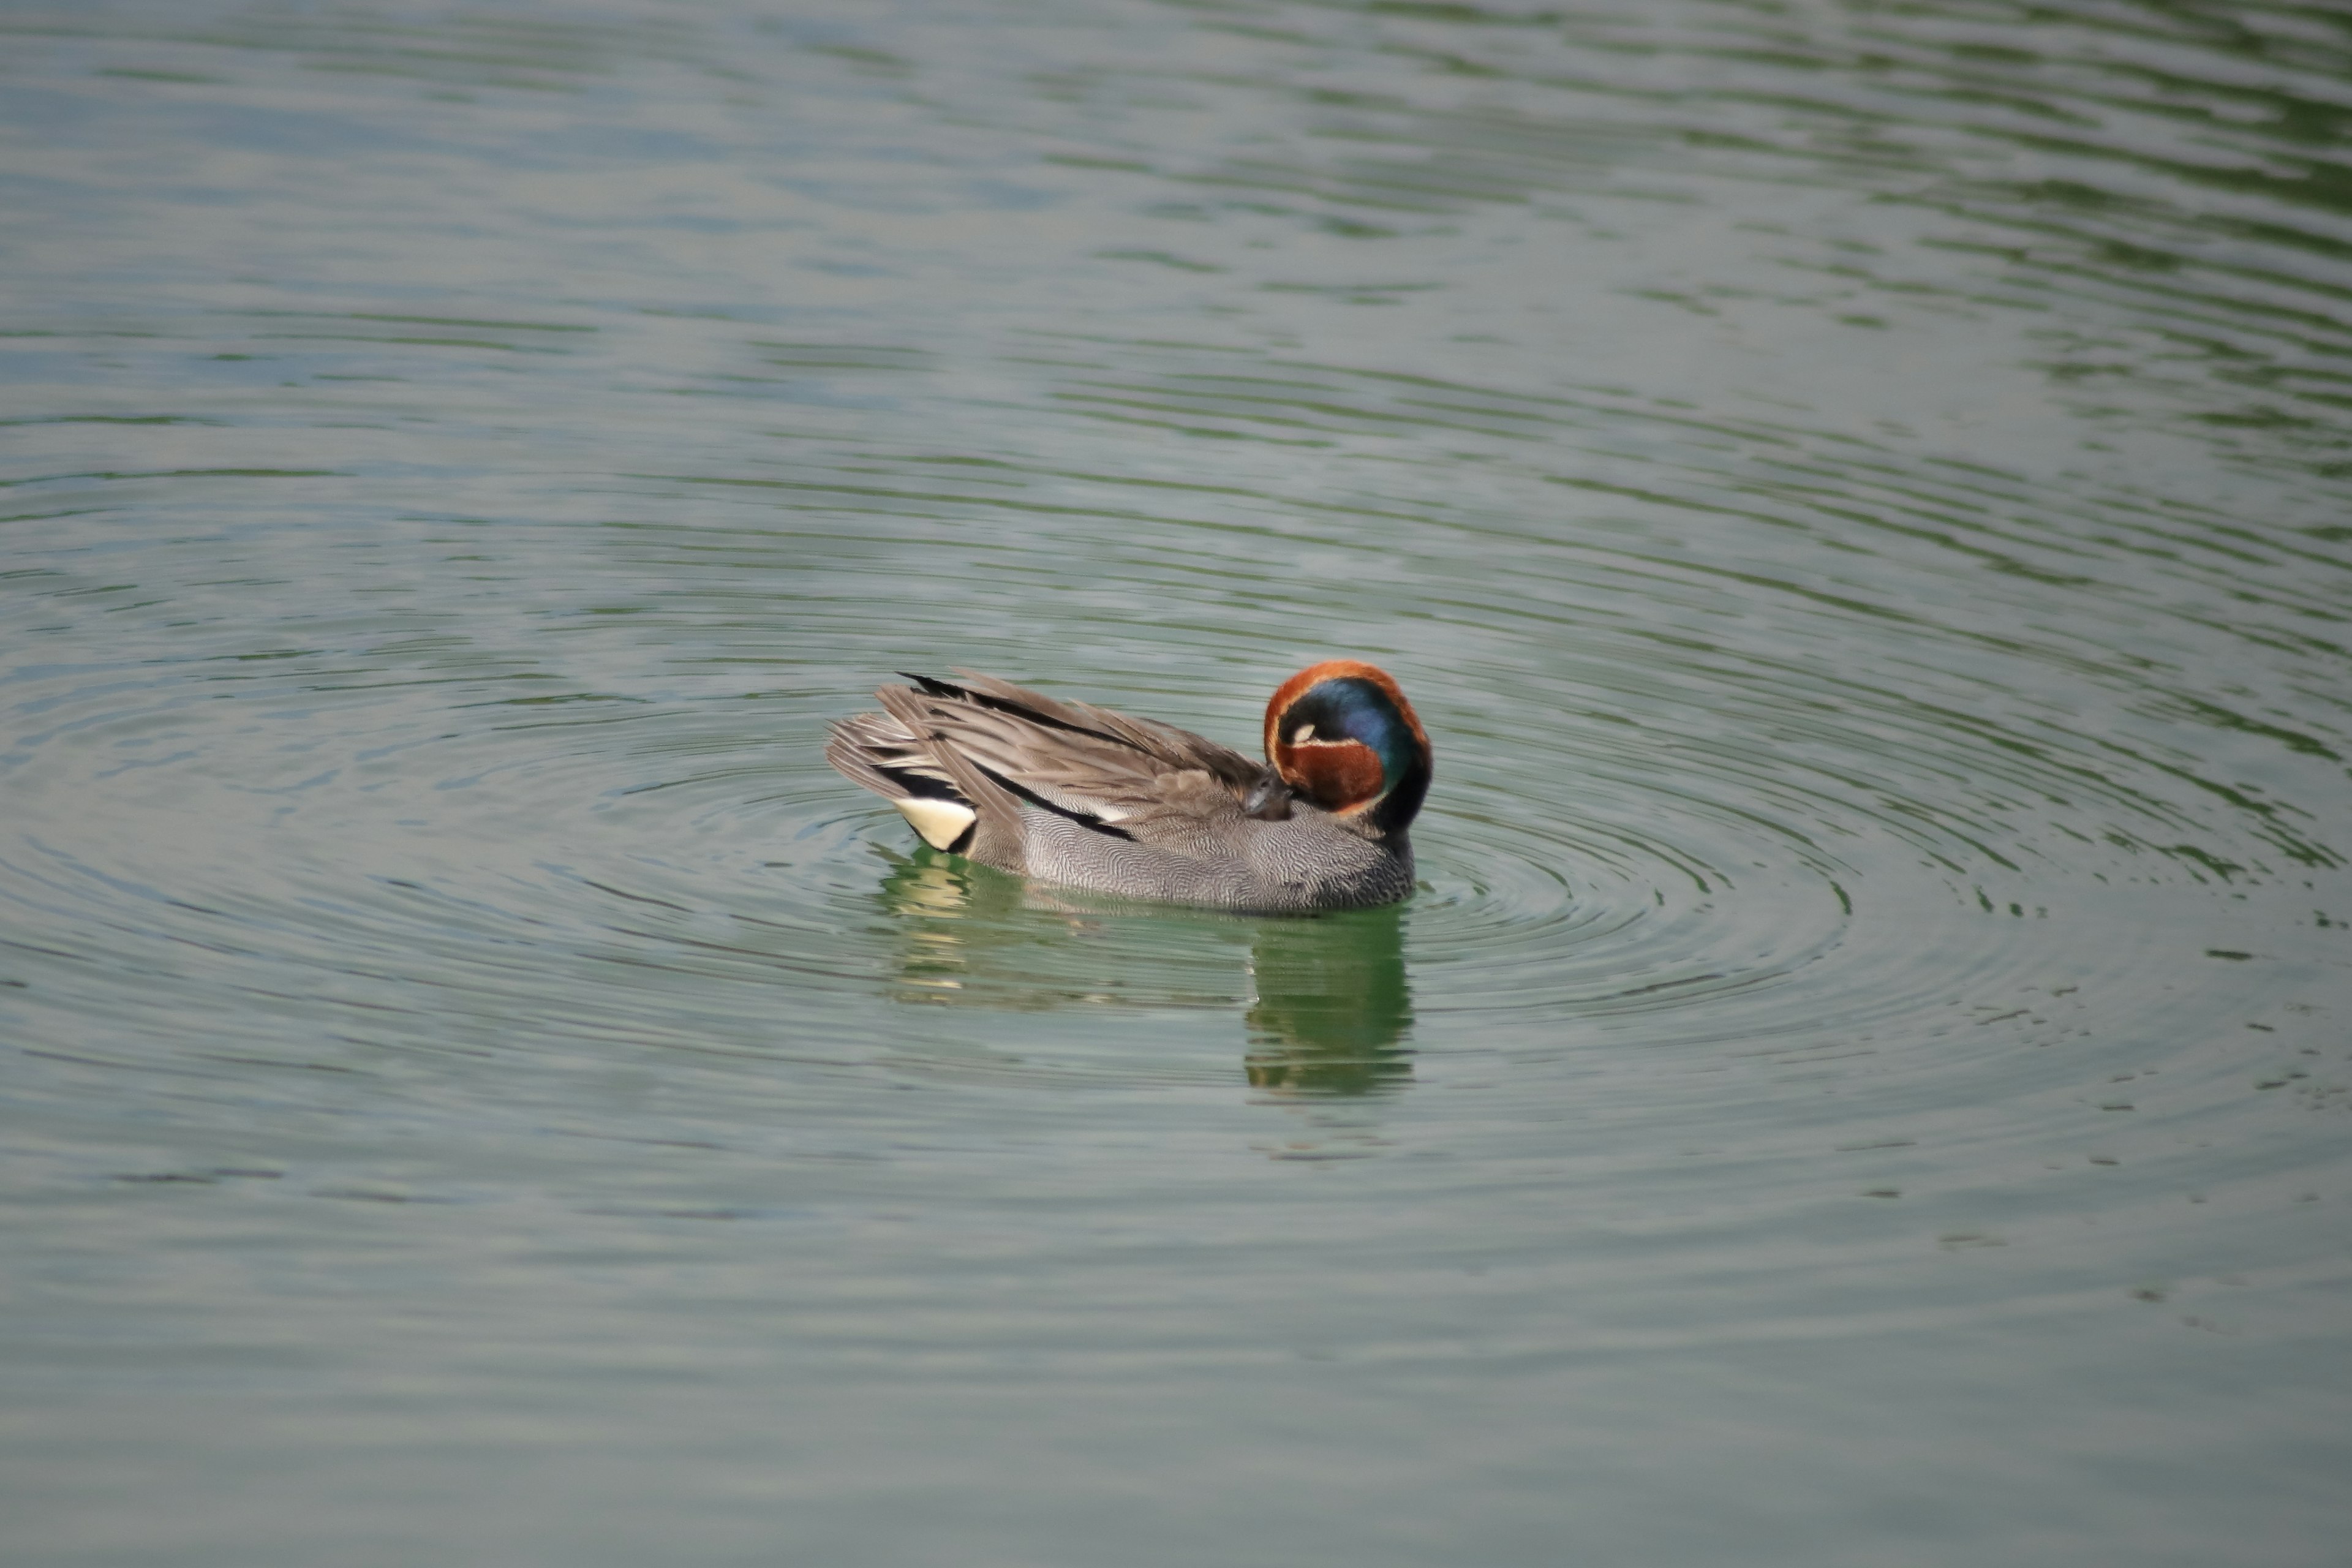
[[941, 822], [1304, 733], [1076, 801]]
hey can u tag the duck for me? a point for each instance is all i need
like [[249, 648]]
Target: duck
[[1072, 795]]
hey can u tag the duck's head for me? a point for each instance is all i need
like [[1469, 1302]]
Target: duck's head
[[1341, 735]]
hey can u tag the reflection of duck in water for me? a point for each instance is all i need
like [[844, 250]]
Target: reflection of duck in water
[[1333, 1006], [1077, 797], [970, 937], [1332, 1010]]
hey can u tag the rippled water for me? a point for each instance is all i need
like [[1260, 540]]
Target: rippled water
[[1857, 493]]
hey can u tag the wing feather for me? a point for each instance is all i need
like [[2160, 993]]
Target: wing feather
[[1123, 775], [1178, 750]]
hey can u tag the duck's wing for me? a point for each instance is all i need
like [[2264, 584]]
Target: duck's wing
[[998, 744], [1173, 749]]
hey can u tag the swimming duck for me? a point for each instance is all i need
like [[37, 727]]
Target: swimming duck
[[1074, 796]]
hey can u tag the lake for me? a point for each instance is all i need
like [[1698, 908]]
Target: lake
[[1860, 495]]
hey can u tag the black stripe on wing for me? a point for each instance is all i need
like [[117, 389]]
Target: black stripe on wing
[[1016, 787]]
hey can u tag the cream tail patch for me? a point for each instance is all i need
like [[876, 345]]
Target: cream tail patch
[[941, 822]]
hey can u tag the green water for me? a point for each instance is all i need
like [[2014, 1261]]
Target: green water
[[1856, 493]]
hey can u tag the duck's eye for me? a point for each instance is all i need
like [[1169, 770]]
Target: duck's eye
[[1304, 733]]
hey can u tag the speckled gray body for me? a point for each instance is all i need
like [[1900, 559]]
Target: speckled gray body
[[1078, 796], [1313, 861]]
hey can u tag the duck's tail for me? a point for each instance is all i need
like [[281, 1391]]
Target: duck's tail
[[880, 752]]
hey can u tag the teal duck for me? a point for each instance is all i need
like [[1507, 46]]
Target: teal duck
[[1074, 796]]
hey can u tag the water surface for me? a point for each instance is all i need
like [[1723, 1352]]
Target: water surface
[[1857, 494]]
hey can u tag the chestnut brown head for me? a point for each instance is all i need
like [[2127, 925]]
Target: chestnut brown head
[[1342, 736]]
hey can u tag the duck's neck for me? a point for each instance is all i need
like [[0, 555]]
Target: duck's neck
[[1389, 816]]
